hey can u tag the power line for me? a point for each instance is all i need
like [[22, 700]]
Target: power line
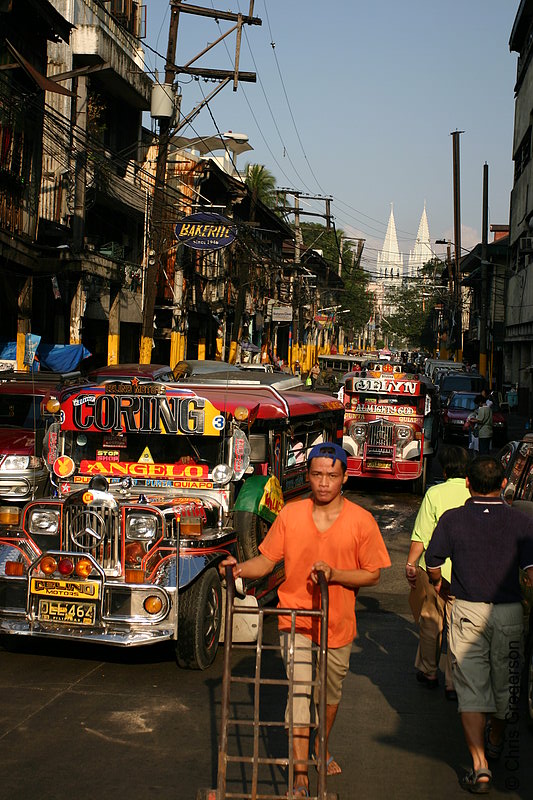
[[273, 46]]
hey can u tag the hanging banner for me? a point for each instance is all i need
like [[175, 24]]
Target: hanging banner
[[205, 231], [31, 344]]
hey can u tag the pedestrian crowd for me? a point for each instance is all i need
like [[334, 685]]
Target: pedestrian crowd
[[466, 552], [463, 567]]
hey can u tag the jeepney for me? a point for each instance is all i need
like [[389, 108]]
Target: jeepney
[[154, 485], [389, 429], [334, 367]]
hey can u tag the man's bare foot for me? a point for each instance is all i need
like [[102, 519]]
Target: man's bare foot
[[333, 767]]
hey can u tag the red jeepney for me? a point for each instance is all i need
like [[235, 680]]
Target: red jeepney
[[388, 424]]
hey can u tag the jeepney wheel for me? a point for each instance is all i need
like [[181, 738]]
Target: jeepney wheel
[[251, 530], [419, 484], [11, 642], [199, 618]]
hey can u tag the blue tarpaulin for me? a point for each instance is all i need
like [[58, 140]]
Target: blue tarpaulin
[[51, 357]]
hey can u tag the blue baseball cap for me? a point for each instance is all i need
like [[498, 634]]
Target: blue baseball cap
[[328, 450]]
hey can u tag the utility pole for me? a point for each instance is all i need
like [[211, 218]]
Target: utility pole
[[457, 238], [160, 230], [298, 322], [298, 212], [484, 283]]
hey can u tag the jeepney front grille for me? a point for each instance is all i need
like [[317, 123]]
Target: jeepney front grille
[[95, 530], [380, 434]]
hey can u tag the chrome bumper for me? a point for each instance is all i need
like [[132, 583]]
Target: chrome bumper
[[17, 488], [117, 638]]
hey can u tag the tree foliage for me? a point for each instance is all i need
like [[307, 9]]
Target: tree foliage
[[355, 295], [410, 321], [261, 183]]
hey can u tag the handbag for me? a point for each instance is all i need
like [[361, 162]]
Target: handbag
[[475, 430]]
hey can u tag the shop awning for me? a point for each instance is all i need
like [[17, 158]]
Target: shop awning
[[42, 81]]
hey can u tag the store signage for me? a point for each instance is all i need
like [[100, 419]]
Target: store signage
[[282, 314], [205, 231]]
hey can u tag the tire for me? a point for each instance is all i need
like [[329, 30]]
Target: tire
[[251, 530], [419, 484], [199, 619], [11, 642]]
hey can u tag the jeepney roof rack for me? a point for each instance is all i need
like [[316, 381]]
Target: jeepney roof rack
[[267, 379], [39, 377]]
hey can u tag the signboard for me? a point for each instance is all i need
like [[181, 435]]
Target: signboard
[[205, 231], [386, 385], [136, 469], [282, 314], [169, 413]]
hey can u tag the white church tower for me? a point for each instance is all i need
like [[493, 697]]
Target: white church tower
[[390, 260], [421, 252]]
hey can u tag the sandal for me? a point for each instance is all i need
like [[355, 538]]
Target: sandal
[[299, 791], [472, 783], [330, 760], [314, 756], [492, 751]]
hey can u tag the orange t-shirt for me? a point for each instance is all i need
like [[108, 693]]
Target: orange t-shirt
[[353, 541]]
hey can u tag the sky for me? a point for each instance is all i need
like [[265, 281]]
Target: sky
[[357, 100]]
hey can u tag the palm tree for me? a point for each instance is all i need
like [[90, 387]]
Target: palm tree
[[261, 183]]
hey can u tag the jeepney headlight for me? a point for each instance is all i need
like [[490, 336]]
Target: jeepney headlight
[[357, 431], [44, 521], [20, 463], [404, 435], [222, 474], [141, 527]]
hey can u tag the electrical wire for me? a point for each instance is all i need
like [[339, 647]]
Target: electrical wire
[[288, 102]]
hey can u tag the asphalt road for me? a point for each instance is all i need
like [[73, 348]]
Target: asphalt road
[[92, 722]]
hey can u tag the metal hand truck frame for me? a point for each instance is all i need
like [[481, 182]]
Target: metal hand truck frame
[[318, 727]]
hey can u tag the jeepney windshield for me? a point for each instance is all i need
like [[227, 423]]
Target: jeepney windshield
[[21, 411], [147, 447]]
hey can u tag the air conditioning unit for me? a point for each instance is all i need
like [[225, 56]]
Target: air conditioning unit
[[526, 244]]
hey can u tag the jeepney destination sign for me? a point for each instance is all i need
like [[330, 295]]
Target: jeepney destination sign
[[205, 231], [388, 385], [99, 411]]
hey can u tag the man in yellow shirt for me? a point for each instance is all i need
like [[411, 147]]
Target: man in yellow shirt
[[438, 499]]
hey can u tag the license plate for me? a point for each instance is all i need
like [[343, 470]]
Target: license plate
[[378, 465], [86, 590], [70, 613]]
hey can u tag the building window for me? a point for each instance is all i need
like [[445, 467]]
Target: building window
[[522, 155]]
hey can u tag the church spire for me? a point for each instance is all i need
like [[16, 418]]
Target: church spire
[[390, 260], [421, 252]]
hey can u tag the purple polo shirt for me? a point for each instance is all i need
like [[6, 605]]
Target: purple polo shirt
[[487, 541]]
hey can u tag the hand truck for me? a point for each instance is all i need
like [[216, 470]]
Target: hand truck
[[257, 725]]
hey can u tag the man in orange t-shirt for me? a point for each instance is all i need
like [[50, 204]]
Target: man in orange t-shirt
[[323, 533]]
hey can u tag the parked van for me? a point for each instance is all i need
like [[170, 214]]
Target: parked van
[[431, 365], [460, 382]]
